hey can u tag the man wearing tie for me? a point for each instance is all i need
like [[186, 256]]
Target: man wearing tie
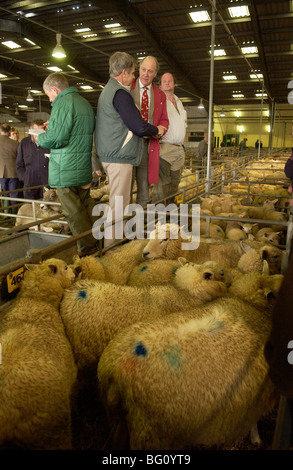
[[152, 104]]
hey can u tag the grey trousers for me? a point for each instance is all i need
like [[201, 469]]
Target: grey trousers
[[77, 206], [141, 174], [168, 182]]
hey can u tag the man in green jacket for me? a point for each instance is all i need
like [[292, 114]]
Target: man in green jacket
[[70, 139]]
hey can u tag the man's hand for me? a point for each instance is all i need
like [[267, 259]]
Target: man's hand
[[162, 131]]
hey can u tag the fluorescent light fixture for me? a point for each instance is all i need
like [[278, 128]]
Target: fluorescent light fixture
[[269, 128], [239, 11], [119, 31], [58, 50], [259, 95], [10, 44], [199, 16], [218, 52], [70, 66], [82, 30], [31, 42], [92, 35], [222, 114], [112, 25], [240, 128], [253, 76], [54, 69], [36, 91], [2, 75], [201, 106], [229, 77], [86, 87], [238, 95], [249, 50], [237, 113], [22, 106], [29, 15]]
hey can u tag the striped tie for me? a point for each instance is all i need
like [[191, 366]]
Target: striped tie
[[144, 110]]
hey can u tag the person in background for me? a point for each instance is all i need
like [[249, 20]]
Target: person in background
[[242, 145], [202, 148], [155, 112], [8, 153], [70, 139], [119, 131], [32, 163], [172, 154], [14, 134]]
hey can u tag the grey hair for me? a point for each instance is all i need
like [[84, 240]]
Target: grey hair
[[120, 61], [153, 58], [57, 80]]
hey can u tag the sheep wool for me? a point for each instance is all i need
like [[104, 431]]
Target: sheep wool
[[38, 372], [94, 311], [189, 379]]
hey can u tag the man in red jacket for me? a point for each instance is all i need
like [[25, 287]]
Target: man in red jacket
[[148, 171]]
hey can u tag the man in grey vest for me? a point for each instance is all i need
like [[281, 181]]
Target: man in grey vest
[[119, 131]]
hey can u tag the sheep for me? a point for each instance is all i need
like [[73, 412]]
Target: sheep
[[158, 271], [225, 252], [38, 373], [269, 235], [267, 259], [215, 231], [115, 266], [42, 211], [94, 311], [197, 378]]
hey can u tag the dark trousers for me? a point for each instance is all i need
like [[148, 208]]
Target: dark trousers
[[33, 193], [8, 184], [77, 205]]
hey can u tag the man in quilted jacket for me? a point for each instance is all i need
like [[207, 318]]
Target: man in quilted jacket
[[70, 139]]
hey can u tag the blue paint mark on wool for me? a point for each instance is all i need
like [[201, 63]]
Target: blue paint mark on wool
[[172, 357], [82, 294], [140, 350], [143, 268]]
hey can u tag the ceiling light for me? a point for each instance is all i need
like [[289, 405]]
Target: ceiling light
[[92, 35], [259, 95], [112, 25], [249, 50], [35, 91], [31, 42], [86, 87], [218, 52], [11, 44], [82, 30], [54, 69], [119, 31], [199, 16], [22, 106], [229, 77], [237, 113], [58, 50], [200, 106], [239, 11], [254, 76], [2, 75], [29, 97], [222, 114], [238, 95]]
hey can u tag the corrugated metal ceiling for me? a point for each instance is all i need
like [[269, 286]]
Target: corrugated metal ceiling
[[155, 27]]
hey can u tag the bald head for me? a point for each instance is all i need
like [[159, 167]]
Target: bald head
[[168, 83], [148, 70]]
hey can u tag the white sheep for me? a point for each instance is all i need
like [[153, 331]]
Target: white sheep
[[114, 266], [94, 311], [266, 259], [269, 235], [190, 379], [38, 372], [225, 252], [158, 271]]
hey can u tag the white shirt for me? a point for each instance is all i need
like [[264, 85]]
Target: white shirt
[[177, 123]]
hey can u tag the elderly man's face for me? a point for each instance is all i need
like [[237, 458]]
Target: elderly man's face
[[147, 71], [51, 93]]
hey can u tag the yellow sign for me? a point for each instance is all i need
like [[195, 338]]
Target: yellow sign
[[14, 279], [179, 198]]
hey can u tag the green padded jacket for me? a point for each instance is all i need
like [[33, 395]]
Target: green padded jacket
[[70, 139]]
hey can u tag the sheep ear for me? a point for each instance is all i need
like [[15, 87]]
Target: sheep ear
[[31, 267], [182, 261], [46, 189], [53, 268], [245, 247], [75, 258], [265, 267]]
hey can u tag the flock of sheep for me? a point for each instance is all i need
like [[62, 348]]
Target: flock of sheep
[[175, 339]]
